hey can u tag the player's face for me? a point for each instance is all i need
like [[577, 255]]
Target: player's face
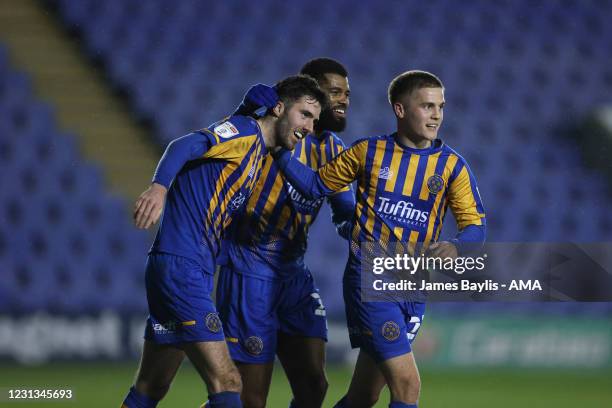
[[422, 113], [297, 121], [337, 89]]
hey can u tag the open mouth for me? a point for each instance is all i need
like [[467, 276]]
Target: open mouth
[[339, 111], [299, 134], [432, 126]]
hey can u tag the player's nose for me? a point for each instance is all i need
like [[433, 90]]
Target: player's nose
[[309, 126]]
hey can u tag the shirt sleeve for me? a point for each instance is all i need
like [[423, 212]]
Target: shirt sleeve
[[335, 175], [342, 203], [180, 151], [342, 211], [467, 207]]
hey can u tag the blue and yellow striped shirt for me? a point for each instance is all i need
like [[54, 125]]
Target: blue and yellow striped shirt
[[270, 239], [403, 194], [223, 163]]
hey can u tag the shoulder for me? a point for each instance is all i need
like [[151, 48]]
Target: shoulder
[[233, 127], [449, 151], [333, 137], [365, 141], [461, 162]]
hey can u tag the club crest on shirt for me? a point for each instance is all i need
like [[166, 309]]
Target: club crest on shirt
[[225, 130], [237, 201], [254, 345], [213, 323], [390, 330], [435, 184]]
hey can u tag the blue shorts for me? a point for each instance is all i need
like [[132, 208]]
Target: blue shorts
[[180, 306], [255, 310], [381, 329]]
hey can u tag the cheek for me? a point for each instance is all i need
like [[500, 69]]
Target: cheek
[[417, 120]]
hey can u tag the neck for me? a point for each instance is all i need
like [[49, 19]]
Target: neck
[[412, 141], [266, 125]]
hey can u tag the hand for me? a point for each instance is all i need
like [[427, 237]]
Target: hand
[[149, 206], [262, 95], [442, 249], [258, 99]]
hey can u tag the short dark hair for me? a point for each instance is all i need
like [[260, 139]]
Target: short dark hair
[[409, 81], [318, 67], [292, 88]]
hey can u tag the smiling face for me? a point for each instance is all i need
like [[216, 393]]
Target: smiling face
[[296, 121], [336, 87], [419, 115]]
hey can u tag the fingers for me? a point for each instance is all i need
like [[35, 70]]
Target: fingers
[[147, 210], [442, 250], [432, 249]]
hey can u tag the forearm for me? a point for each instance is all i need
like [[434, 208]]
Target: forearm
[[343, 206], [470, 239], [302, 177], [342, 211]]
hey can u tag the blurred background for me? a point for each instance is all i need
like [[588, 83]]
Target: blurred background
[[92, 91]]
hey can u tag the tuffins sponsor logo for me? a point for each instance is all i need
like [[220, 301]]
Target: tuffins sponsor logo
[[254, 345], [226, 130], [385, 173], [301, 202], [402, 211], [390, 330]]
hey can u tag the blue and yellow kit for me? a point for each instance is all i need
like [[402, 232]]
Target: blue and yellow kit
[[219, 168], [216, 170], [264, 286], [403, 195], [270, 239]]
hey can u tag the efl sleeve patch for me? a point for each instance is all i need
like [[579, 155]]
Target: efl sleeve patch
[[226, 130]]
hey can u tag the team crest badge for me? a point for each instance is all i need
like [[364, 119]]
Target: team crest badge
[[390, 330], [435, 184], [254, 345], [237, 201], [213, 322]]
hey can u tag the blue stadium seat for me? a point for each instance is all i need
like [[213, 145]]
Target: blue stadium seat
[[513, 79]]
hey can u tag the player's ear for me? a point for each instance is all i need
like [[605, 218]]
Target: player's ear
[[399, 110], [278, 109]]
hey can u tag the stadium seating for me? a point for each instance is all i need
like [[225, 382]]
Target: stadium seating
[[66, 245], [514, 78], [186, 65]]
